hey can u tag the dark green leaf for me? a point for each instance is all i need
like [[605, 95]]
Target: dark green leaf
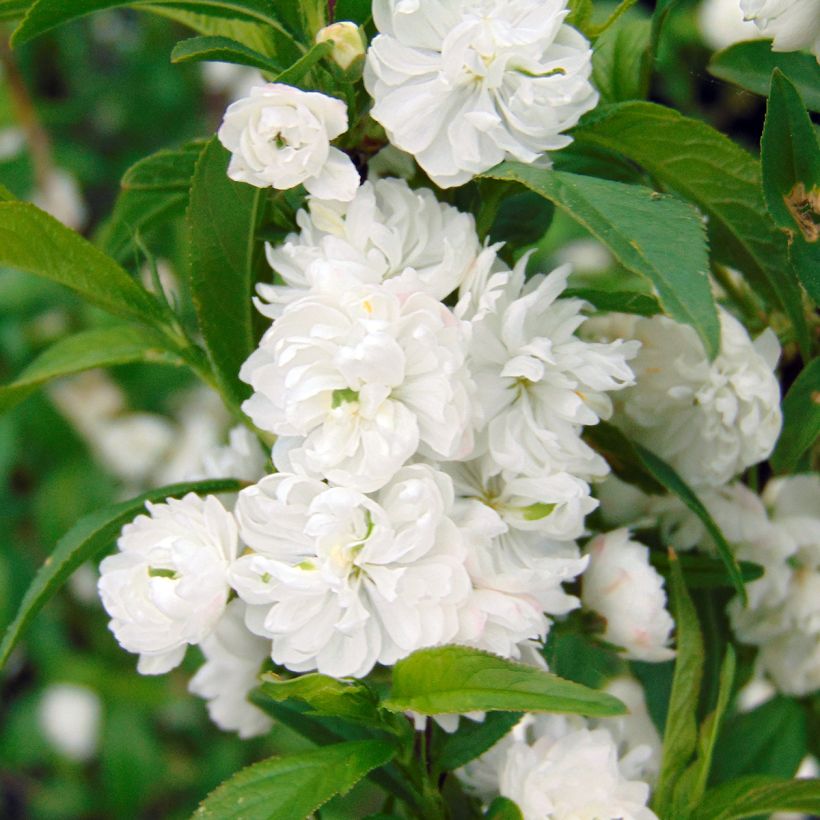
[[223, 50], [769, 740], [473, 739], [33, 241], [652, 234], [292, 75], [13, 9], [666, 476], [222, 219], [502, 808], [704, 572], [705, 167], [101, 347], [456, 679], [167, 170], [750, 66], [622, 301], [45, 15], [681, 733], [294, 786], [753, 796], [356, 11], [522, 219], [801, 418], [622, 456], [89, 536], [619, 70], [6, 195]]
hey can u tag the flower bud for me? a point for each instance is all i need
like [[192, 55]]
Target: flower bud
[[348, 44]]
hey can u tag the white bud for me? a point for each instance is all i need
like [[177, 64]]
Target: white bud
[[348, 44]]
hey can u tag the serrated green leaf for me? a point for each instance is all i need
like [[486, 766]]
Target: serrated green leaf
[[224, 50], [222, 218], [472, 739], [33, 241], [100, 347], [671, 481], [502, 808], [705, 167], [45, 15], [89, 536], [619, 69], [457, 679], [652, 234], [753, 796], [622, 301], [750, 65], [294, 786], [681, 732], [801, 419]]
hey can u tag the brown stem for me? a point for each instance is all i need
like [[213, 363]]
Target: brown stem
[[38, 141]]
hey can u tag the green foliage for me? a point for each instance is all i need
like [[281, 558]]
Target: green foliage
[[294, 786], [750, 65], [83, 541], [456, 679], [753, 796], [654, 235], [503, 809], [472, 739], [801, 418], [619, 63], [222, 49]]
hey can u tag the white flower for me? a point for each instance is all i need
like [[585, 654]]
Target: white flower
[[60, 196], [709, 420], [622, 586], [340, 581], [233, 658], [538, 383], [167, 586], [792, 24], [387, 233], [463, 85], [721, 24], [280, 137], [347, 41], [556, 768], [368, 378], [69, 717], [242, 457]]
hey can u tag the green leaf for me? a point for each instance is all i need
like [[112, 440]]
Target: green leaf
[[100, 347], [356, 11], [622, 301], [770, 740], [222, 219], [292, 75], [13, 9], [622, 456], [750, 65], [522, 219], [681, 732], [690, 788], [472, 739], [456, 679], [294, 786], [166, 170], [33, 241], [801, 419], [668, 478], [349, 700], [753, 796], [705, 167], [45, 15], [704, 572], [6, 195], [652, 234], [223, 50], [502, 808], [619, 62], [89, 536]]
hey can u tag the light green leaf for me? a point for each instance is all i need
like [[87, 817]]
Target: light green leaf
[[705, 167], [33, 241], [6, 195], [89, 536], [502, 808], [100, 347], [456, 679], [801, 419], [619, 62], [681, 732], [294, 786], [755, 795], [668, 478], [472, 739], [750, 65], [224, 50], [222, 219], [652, 234], [45, 15]]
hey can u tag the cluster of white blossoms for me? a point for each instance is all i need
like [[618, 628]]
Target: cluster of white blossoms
[[559, 767]]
